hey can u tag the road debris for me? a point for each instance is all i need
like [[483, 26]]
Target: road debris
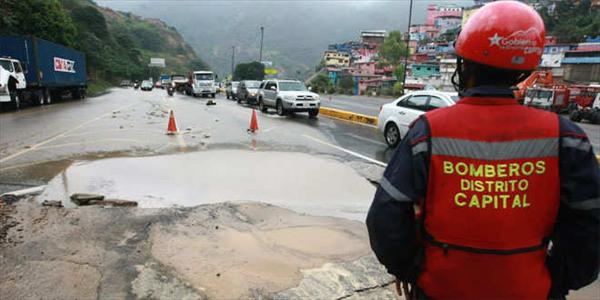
[[85, 199], [52, 203]]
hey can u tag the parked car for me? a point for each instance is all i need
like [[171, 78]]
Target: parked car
[[158, 84], [395, 117], [146, 85], [125, 83], [288, 96], [231, 90], [247, 91]]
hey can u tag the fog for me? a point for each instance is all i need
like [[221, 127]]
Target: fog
[[296, 32]]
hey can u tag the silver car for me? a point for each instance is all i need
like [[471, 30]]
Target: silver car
[[288, 96]]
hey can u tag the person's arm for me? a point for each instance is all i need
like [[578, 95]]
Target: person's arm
[[574, 257], [391, 218]]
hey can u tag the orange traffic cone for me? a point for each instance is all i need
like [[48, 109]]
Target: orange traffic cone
[[253, 122], [172, 128]]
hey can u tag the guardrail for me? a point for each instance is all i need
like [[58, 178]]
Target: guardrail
[[348, 116]]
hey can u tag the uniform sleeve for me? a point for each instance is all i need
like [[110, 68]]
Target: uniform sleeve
[[391, 218], [573, 259]]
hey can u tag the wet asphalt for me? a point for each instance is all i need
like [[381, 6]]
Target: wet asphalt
[[37, 143]]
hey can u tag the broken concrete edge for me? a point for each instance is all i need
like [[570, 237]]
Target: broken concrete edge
[[348, 116], [52, 203], [84, 199], [25, 192]]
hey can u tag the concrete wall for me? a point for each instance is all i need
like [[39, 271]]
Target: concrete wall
[[582, 72]]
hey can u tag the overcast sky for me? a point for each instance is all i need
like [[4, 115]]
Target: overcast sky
[[296, 31]]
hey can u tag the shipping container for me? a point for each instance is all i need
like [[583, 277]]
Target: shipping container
[[50, 68]]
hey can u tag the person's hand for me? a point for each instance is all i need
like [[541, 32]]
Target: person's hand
[[404, 288]]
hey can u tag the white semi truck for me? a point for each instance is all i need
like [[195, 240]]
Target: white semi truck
[[203, 84]]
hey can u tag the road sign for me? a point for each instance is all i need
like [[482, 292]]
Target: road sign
[[157, 62], [271, 71]]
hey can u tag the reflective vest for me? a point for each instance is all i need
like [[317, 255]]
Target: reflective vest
[[492, 199]]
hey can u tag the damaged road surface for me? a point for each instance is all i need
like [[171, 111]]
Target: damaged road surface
[[304, 183], [128, 212], [215, 251]]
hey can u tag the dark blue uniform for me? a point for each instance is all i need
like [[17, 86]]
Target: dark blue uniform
[[574, 255]]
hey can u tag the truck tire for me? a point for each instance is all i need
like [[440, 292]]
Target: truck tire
[[37, 98], [313, 113], [46, 96], [55, 96], [75, 94], [575, 116], [15, 98], [595, 117]]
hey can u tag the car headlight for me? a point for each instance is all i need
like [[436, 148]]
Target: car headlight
[[317, 97], [288, 98]]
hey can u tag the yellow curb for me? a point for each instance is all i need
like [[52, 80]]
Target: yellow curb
[[348, 115], [598, 158]]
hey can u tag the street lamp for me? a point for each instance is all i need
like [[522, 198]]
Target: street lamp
[[407, 47], [262, 33], [232, 60]]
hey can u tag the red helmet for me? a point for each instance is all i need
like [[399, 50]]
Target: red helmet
[[503, 34]]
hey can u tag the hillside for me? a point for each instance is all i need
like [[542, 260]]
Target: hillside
[[117, 45], [296, 32]]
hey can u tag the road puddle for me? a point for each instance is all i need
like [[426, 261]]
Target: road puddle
[[298, 181]]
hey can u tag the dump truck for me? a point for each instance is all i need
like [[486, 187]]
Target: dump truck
[[38, 71]]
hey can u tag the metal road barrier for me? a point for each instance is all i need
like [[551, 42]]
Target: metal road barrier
[[348, 116]]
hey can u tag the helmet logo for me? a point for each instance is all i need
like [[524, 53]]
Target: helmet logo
[[525, 40], [495, 40]]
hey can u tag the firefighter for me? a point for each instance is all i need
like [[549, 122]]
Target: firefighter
[[488, 199]]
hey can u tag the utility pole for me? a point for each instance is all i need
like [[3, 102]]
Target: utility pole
[[262, 34], [407, 48], [232, 61]]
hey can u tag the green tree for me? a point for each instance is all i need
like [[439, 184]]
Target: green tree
[[393, 48], [346, 85], [249, 71], [43, 18], [399, 72], [320, 66], [572, 21], [88, 18], [397, 89], [321, 83]]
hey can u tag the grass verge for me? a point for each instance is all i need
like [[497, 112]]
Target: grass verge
[[98, 87]]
